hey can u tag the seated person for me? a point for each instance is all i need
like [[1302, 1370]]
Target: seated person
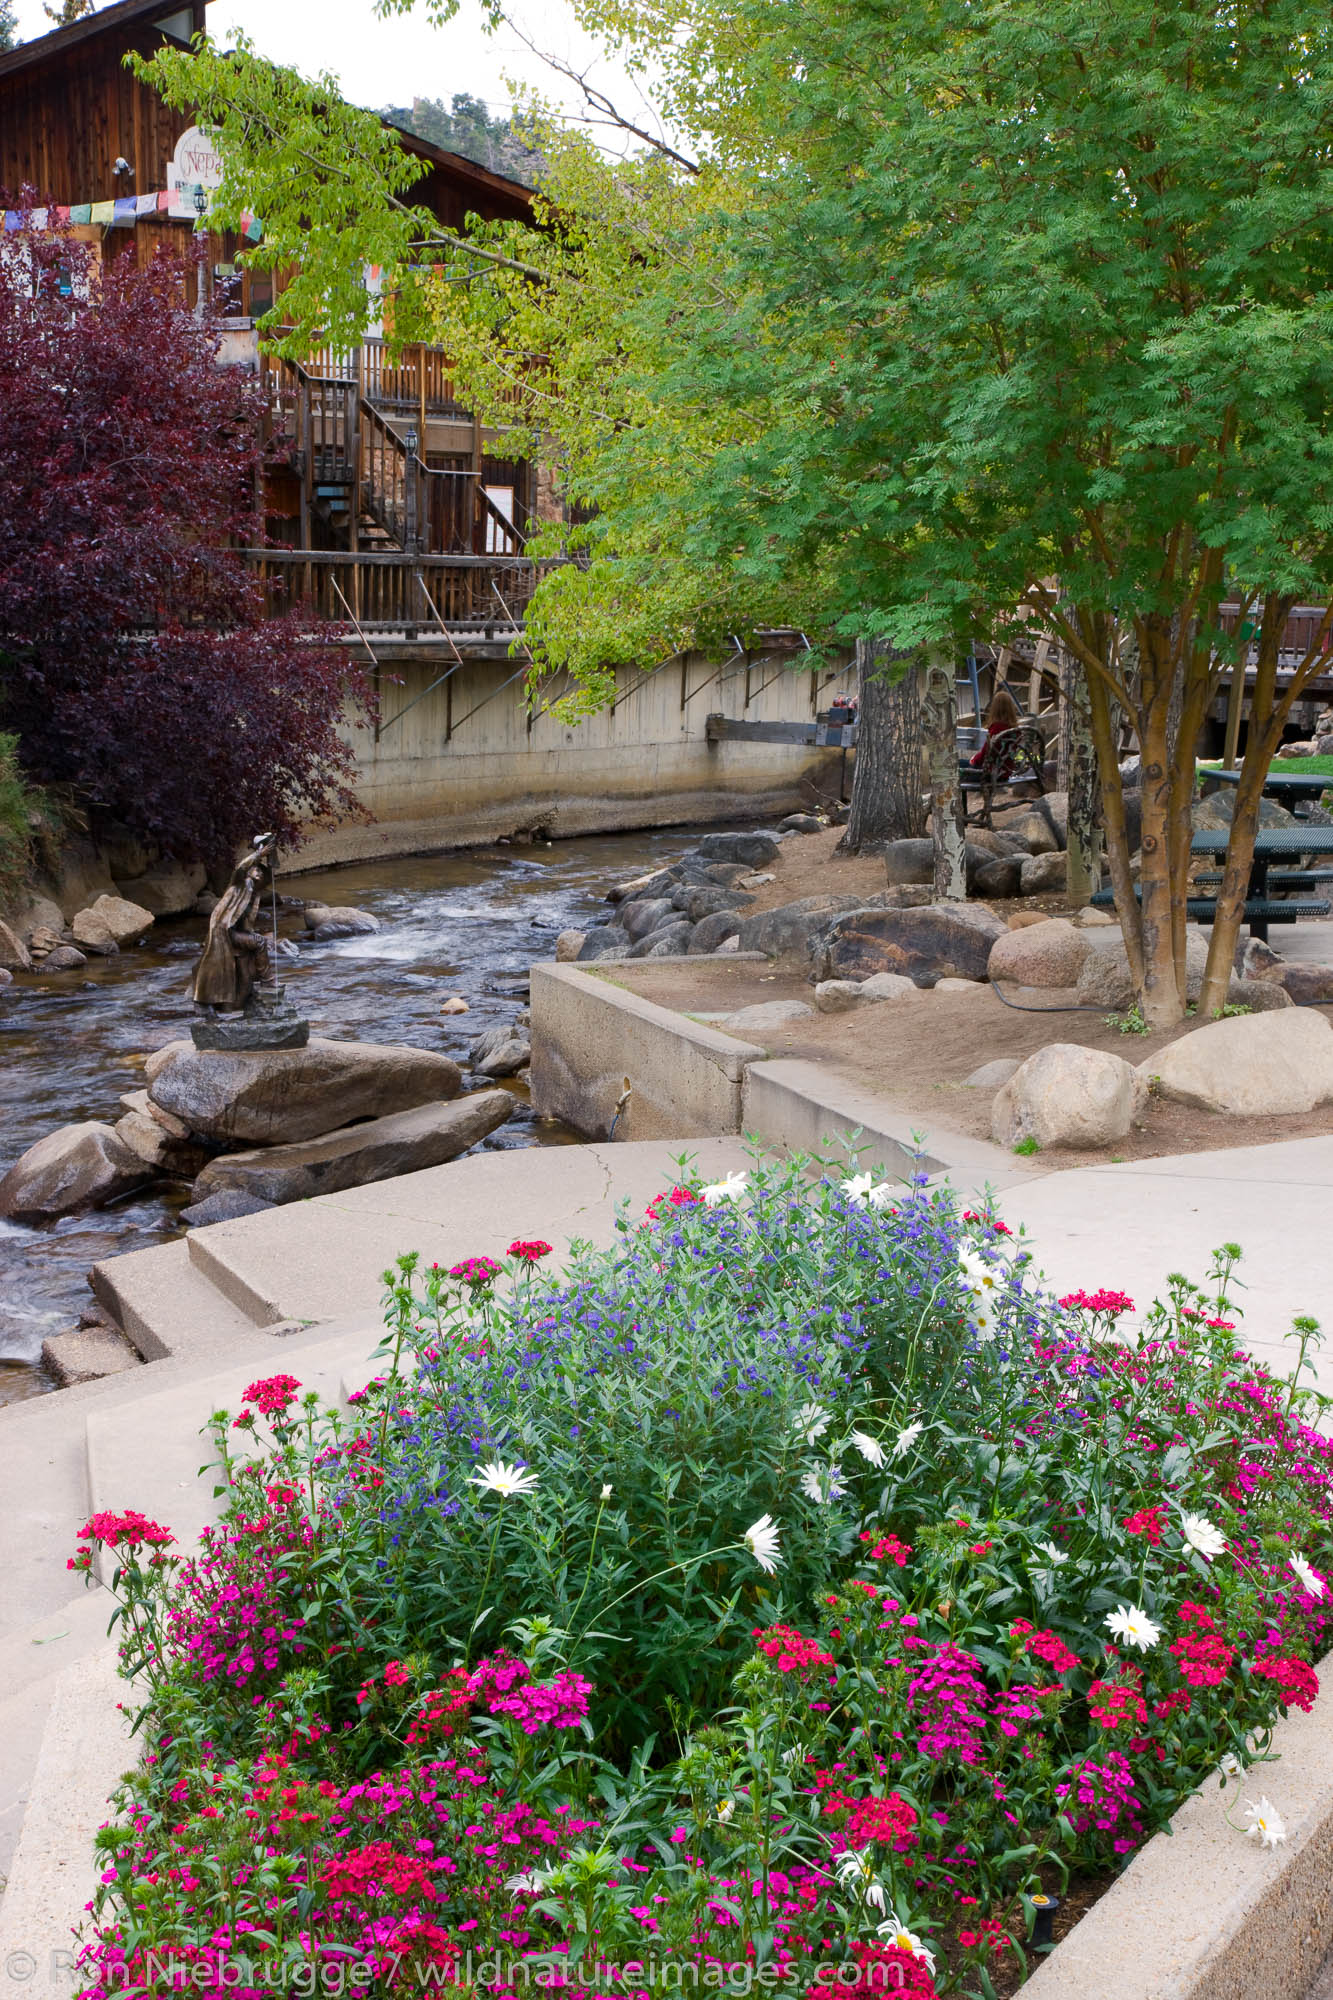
[[1001, 715]]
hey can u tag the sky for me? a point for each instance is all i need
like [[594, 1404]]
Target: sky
[[392, 61]]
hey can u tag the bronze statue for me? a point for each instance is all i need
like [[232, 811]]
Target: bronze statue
[[236, 956]]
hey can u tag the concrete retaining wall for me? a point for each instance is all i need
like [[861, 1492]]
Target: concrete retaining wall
[[462, 763], [589, 1038]]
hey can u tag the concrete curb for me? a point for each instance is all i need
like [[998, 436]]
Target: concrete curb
[[1202, 1912], [85, 1751]]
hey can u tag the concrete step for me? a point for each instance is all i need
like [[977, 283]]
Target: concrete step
[[166, 1305]]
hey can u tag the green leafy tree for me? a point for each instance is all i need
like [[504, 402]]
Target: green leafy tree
[[926, 319], [466, 126], [9, 27]]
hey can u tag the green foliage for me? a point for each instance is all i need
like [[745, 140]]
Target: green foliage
[[466, 126], [1131, 1022], [9, 27], [22, 807], [1027, 1147]]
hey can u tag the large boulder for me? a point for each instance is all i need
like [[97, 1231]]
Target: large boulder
[[908, 862], [645, 915], [41, 914], [1001, 876], [1307, 985], [159, 1151], [710, 932], [787, 930], [94, 934], [941, 941], [403, 1143], [328, 922], [227, 1205], [64, 958], [568, 945], [1265, 996], [600, 940], [1043, 874], [1049, 954], [14, 954], [1065, 1095], [1214, 813], [168, 889], [699, 900], [500, 1052], [673, 942], [274, 1097], [76, 1166], [753, 848], [127, 922], [764, 1016], [1106, 980], [660, 883], [1253, 1065]]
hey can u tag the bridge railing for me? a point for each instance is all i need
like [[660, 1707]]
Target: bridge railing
[[395, 592]]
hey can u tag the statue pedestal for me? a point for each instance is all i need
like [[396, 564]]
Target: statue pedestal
[[269, 1021]]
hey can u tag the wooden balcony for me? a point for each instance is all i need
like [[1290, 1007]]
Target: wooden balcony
[[411, 597]]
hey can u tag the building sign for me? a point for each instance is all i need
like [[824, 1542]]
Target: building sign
[[196, 163]]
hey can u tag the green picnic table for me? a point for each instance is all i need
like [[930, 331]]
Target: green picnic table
[[1284, 786], [1262, 907]]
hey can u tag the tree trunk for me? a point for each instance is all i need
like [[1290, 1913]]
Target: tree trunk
[[940, 722], [887, 785], [1163, 999], [1083, 846]]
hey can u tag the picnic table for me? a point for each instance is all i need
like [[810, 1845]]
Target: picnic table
[[1284, 786], [1262, 907]]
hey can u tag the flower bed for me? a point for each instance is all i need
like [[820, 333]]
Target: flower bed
[[792, 1596]]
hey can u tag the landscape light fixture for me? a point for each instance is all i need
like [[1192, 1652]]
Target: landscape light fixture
[[200, 199], [411, 440], [1043, 1914]]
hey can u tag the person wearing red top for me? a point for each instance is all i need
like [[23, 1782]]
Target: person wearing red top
[[1001, 715]]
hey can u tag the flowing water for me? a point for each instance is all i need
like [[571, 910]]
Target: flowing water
[[70, 1045]]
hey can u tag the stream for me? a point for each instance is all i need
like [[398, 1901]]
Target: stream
[[72, 1044]]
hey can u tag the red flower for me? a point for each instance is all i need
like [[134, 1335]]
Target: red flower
[[132, 1528], [272, 1394], [888, 1549], [1297, 1681], [676, 1197], [529, 1253], [475, 1271], [791, 1651], [1110, 1303], [1147, 1522]]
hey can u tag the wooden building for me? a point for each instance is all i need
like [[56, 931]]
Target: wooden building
[[373, 453]]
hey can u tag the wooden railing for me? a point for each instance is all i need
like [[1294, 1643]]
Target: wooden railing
[[396, 592]]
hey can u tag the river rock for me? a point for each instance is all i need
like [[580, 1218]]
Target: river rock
[[159, 1149], [1214, 813], [729, 874], [837, 996], [14, 954], [886, 986], [941, 941], [1036, 832], [755, 849], [912, 862], [403, 1143], [227, 1205], [660, 883], [673, 942], [992, 1074], [500, 1052], [139, 1100], [64, 958], [76, 1166], [787, 930], [1106, 981], [6, 978], [1252, 1066], [1089, 919], [568, 945], [1266, 996], [710, 932], [1307, 985], [765, 1015], [600, 940], [1050, 954], [697, 901], [127, 922], [645, 915], [41, 914], [339, 923], [1002, 876], [44, 938], [1024, 919], [271, 1097], [1065, 1095], [168, 889], [801, 823], [1042, 874], [93, 935]]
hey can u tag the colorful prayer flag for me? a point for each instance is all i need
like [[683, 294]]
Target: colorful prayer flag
[[80, 211], [123, 212], [103, 212]]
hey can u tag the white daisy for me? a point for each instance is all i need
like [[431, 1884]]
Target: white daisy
[[1308, 1578], [1268, 1826], [530, 1884], [1230, 1766], [823, 1485], [1133, 1627], [907, 1437], [497, 1477], [870, 1448], [857, 1870], [811, 1421], [1201, 1535], [725, 1810], [1054, 1555], [606, 1491], [882, 1196], [858, 1189], [898, 1933], [730, 1189], [978, 1275], [764, 1544]]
